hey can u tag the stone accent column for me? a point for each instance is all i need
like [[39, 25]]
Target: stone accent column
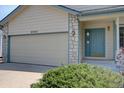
[[5, 43], [73, 39]]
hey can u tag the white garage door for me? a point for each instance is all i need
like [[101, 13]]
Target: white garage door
[[46, 49]]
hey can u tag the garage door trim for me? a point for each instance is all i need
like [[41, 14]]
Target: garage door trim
[[8, 50], [9, 42], [37, 33]]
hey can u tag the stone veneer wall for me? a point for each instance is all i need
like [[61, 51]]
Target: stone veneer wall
[[73, 39], [5, 43]]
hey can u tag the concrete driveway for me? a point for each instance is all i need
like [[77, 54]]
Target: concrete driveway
[[13, 75]]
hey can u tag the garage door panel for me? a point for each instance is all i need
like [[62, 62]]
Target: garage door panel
[[47, 49]]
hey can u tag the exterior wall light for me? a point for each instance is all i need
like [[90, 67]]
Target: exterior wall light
[[108, 28]]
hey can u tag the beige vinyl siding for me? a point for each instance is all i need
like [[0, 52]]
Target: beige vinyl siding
[[44, 49], [42, 19], [108, 35], [121, 21]]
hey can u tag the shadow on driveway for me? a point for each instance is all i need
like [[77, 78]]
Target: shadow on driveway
[[24, 67], [15, 75]]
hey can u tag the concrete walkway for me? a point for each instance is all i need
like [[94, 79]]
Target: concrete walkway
[[106, 64], [13, 75]]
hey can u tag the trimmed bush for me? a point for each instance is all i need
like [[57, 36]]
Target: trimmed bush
[[79, 76]]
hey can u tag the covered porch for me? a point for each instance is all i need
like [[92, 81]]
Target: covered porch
[[100, 36]]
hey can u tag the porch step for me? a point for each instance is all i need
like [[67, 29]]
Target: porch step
[[107, 64], [99, 61]]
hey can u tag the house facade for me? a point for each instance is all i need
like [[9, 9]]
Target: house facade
[[56, 35]]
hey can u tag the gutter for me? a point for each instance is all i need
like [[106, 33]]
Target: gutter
[[68, 10], [113, 9], [72, 10]]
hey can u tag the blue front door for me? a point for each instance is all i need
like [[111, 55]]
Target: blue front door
[[95, 42]]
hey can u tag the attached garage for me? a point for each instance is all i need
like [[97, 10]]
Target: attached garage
[[44, 49], [37, 35]]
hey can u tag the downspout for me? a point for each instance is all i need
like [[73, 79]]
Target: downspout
[[114, 39], [8, 50], [117, 33]]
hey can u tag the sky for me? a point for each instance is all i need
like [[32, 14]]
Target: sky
[[5, 10]]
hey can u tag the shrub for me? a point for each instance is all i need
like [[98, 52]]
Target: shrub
[[79, 76]]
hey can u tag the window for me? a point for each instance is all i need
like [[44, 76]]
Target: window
[[121, 36]]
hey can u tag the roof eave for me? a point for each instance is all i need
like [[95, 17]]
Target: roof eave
[[97, 12], [20, 7], [9, 16], [69, 10]]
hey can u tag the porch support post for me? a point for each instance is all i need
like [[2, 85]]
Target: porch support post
[[117, 34]]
